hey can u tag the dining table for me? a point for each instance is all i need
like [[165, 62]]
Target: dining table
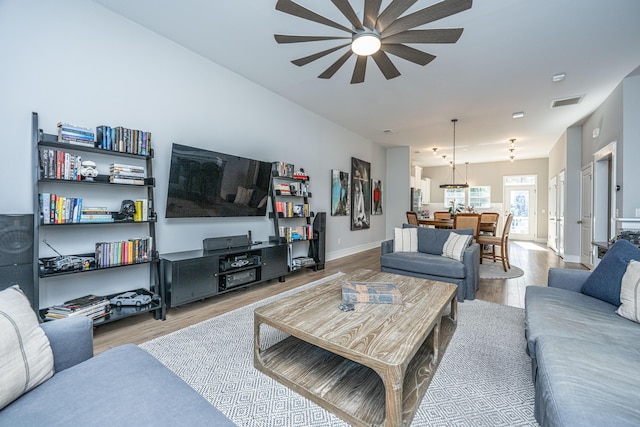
[[448, 223]]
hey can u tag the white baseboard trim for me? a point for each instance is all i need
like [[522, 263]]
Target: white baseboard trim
[[572, 258], [352, 250]]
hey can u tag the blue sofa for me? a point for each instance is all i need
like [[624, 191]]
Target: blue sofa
[[428, 262], [585, 358], [122, 386]]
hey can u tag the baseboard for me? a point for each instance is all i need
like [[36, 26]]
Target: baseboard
[[571, 258], [352, 250]]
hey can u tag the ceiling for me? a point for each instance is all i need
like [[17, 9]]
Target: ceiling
[[503, 63]]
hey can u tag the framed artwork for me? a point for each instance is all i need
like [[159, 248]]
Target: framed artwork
[[360, 194], [376, 197], [340, 195]]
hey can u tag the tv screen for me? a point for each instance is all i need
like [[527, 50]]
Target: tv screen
[[205, 183]]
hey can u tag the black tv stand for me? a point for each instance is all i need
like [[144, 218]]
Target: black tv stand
[[198, 274]]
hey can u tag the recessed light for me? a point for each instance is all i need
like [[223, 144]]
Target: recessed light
[[559, 77], [518, 115]]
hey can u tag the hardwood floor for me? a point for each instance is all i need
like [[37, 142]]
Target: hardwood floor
[[534, 259]]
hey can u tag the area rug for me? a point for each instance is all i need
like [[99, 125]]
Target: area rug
[[484, 377], [494, 270]]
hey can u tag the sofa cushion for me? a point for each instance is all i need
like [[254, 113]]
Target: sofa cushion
[[122, 386], [425, 264], [26, 359], [606, 279], [405, 240], [586, 383], [455, 245], [568, 314], [431, 240], [630, 293]]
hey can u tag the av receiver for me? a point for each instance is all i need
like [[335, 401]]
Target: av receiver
[[238, 278]]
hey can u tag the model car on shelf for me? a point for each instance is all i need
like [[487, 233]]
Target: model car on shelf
[[130, 298], [70, 263]]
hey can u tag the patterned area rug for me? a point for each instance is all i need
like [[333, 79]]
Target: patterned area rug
[[484, 378], [494, 270]]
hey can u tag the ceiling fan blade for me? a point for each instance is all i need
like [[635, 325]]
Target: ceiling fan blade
[[429, 14], [386, 66], [287, 6], [426, 36], [391, 13], [280, 38], [348, 12], [307, 59], [410, 54], [359, 69], [329, 72], [371, 10]]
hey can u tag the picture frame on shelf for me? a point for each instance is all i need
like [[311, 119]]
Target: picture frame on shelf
[[340, 195], [360, 194]]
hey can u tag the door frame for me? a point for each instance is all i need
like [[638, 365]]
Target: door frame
[[533, 205], [587, 249]]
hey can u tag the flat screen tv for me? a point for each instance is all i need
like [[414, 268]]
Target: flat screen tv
[[205, 183]]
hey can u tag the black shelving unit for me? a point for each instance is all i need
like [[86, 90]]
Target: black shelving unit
[[41, 140], [284, 219]]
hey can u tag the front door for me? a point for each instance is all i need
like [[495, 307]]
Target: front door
[[521, 203]]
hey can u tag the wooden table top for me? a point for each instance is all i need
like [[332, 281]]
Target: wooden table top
[[448, 222], [373, 334]]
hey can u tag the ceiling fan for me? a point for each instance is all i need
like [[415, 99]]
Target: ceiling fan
[[381, 33]]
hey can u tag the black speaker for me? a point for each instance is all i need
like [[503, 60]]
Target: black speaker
[[317, 246], [16, 239], [16, 253]]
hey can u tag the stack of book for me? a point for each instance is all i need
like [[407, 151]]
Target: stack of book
[[92, 306], [123, 140], [132, 251], [58, 164], [77, 135], [95, 214], [56, 209], [294, 234], [126, 174], [283, 169]]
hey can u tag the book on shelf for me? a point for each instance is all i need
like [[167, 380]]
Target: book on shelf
[[371, 293], [89, 305]]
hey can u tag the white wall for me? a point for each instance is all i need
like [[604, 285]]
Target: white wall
[[74, 61]]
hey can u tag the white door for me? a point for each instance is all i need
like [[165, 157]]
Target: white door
[[522, 204], [586, 207], [560, 214], [552, 241]]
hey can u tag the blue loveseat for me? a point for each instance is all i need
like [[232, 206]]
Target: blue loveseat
[[585, 357], [429, 263], [122, 386]]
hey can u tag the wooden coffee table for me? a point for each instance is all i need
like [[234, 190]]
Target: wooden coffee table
[[370, 366]]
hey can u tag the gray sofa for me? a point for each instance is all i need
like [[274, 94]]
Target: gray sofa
[[122, 386], [428, 262], [585, 358]]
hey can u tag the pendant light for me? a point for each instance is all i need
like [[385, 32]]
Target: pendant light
[[453, 173]]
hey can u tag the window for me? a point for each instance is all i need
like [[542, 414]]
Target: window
[[520, 180], [480, 196], [454, 196]]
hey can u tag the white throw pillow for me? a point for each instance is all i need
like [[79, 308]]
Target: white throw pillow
[[26, 359], [455, 245], [405, 240], [630, 292]]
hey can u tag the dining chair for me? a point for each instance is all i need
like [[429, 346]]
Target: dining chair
[[502, 241], [412, 218], [467, 220], [442, 215], [489, 222]]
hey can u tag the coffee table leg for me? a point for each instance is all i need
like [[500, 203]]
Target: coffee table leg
[[256, 342], [393, 381], [436, 342], [454, 309]]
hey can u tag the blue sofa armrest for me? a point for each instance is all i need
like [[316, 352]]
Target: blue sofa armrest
[[386, 247], [566, 278], [471, 261], [71, 340]]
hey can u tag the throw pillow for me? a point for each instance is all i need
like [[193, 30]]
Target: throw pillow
[[26, 359], [455, 245], [405, 240], [630, 293], [606, 279]]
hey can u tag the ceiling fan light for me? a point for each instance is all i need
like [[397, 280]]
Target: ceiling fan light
[[365, 43]]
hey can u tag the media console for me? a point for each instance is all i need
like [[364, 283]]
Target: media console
[[197, 274]]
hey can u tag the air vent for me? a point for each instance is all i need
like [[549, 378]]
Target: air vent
[[566, 101]]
